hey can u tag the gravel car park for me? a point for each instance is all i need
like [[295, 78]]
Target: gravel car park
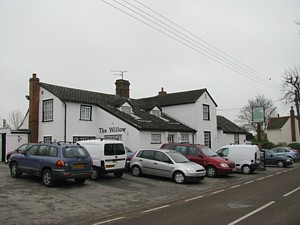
[[26, 201]]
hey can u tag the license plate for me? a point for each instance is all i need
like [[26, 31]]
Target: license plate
[[77, 166], [110, 166]]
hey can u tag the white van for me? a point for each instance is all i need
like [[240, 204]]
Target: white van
[[245, 157], [108, 156]]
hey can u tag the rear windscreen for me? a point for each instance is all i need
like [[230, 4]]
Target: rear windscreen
[[75, 152], [114, 149]]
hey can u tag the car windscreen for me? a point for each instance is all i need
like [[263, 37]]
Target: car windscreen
[[114, 149], [177, 157], [75, 152], [208, 152]]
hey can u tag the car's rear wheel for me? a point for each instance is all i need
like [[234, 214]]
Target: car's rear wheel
[[47, 178], [179, 177], [14, 171], [246, 169], [95, 174], [211, 171], [79, 180], [136, 171], [118, 174], [280, 164]]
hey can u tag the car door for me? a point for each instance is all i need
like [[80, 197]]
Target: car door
[[162, 165], [146, 159], [270, 158], [28, 160], [195, 155]]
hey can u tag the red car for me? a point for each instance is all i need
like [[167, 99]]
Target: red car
[[203, 155], [20, 149]]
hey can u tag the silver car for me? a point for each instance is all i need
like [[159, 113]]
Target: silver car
[[166, 163]]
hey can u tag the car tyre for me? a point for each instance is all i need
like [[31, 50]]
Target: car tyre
[[118, 174], [79, 180], [14, 171], [47, 178], [95, 174], [280, 164], [136, 171], [211, 171], [179, 177], [246, 169]]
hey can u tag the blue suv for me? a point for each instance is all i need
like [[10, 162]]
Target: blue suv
[[53, 162]]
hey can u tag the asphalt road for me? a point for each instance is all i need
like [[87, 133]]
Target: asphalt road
[[26, 201], [270, 199]]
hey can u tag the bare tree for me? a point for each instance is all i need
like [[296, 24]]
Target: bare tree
[[291, 88], [245, 115], [15, 118]]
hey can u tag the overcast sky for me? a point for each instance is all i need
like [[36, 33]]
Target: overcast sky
[[236, 49]]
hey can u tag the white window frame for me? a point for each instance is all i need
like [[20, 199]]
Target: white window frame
[[207, 138], [206, 112], [85, 112], [48, 110], [126, 109], [155, 138], [185, 138]]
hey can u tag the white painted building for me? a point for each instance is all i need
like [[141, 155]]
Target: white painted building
[[283, 129], [58, 113]]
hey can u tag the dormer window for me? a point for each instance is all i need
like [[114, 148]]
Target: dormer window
[[156, 111], [126, 109]]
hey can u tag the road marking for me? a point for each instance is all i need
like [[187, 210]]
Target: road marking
[[107, 221], [217, 191], [251, 213], [187, 200], [150, 210], [260, 178], [284, 171], [271, 175], [249, 182], [278, 173], [235, 186], [291, 192]]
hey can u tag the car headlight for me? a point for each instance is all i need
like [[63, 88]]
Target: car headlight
[[224, 165], [190, 169]]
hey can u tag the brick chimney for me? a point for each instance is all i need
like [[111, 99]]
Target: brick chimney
[[34, 99], [122, 88], [293, 129], [162, 92]]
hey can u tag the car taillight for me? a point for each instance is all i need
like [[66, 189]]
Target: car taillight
[[60, 163]]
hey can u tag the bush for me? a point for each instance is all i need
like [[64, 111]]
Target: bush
[[295, 145], [267, 145]]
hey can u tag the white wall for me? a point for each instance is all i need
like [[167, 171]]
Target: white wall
[[284, 134]]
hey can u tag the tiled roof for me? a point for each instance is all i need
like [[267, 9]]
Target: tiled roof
[[229, 127], [170, 99], [277, 122], [142, 120]]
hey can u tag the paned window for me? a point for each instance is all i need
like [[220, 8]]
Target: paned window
[[207, 139], [85, 112], [47, 139], [48, 110], [206, 115], [236, 139], [155, 138], [184, 138], [126, 109], [156, 113]]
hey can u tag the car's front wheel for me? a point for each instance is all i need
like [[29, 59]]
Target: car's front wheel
[[280, 164], [136, 171], [14, 171], [179, 177], [79, 180], [211, 171], [246, 169], [47, 178]]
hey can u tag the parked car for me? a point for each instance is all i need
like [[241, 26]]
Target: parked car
[[20, 149], [204, 156], [53, 162], [286, 151], [245, 157], [273, 159], [166, 163], [108, 156]]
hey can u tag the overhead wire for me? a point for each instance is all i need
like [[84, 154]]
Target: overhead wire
[[187, 41]]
